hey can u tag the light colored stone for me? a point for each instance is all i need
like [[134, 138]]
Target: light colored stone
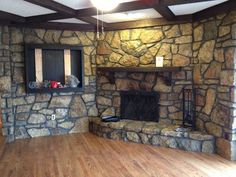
[[66, 125], [186, 29], [93, 111], [125, 35], [180, 60], [61, 113], [208, 147], [152, 35], [36, 119], [206, 52], [43, 97], [61, 101], [135, 126], [161, 86], [132, 136], [198, 33], [184, 40], [200, 136], [174, 31], [114, 57], [77, 107], [224, 30], [108, 112], [219, 55], [103, 48], [185, 50], [103, 101], [129, 60], [227, 77], [70, 40], [224, 149], [210, 100], [5, 83], [213, 71], [51, 124], [87, 66], [37, 132], [39, 106], [221, 115], [81, 126], [213, 129], [88, 97]]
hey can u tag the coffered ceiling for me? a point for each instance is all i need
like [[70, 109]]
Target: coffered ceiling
[[81, 15]]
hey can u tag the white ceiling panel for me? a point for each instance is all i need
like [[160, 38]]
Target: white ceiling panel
[[191, 8], [23, 8], [129, 16], [69, 20], [81, 4]]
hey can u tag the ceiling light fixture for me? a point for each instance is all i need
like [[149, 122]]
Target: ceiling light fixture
[[105, 5]]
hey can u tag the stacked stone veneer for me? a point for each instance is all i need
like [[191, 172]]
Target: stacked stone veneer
[[206, 52], [157, 134], [29, 115]]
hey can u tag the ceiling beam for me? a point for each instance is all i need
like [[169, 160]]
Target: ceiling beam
[[215, 10], [61, 9], [178, 2], [56, 26], [11, 17]]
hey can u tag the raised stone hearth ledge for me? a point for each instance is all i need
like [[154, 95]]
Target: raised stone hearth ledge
[[157, 134]]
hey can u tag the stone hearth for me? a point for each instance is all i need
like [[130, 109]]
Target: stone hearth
[[153, 133]]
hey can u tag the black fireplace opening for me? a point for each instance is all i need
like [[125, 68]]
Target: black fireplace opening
[[140, 105]]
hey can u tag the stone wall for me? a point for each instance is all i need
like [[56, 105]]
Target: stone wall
[[206, 52], [31, 113], [5, 83], [214, 51], [138, 48]]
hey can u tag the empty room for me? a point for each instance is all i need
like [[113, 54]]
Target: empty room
[[117, 88]]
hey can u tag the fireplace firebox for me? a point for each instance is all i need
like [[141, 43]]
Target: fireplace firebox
[[140, 105]]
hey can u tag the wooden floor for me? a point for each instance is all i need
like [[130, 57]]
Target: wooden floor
[[86, 155]]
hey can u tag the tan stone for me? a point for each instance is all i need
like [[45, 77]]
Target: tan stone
[[219, 55], [100, 60], [70, 40], [129, 60], [197, 74], [184, 40], [77, 107], [109, 36], [40, 33], [114, 57], [135, 34], [206, 52], [134, 48], [125, 84], [5, 84], [213, 71], [210, 100], [154, 49], [104, 101], [135, 126], [151, 35], [213, 129], [198, 33], [91, 35], [230, 57], [180, 60], [196, 45], [103, 48], [125, 35], [210, 30], [223, 148], [221, 115], [108, 112], [87, 66], [81, 126], [16, 36], [116, 41], [186, 29], [224, 30], [89, 50], [148, 58], [186, 50], [176, 116], [52, 36], [83, 38], [161, 86], [227, 77], [173, 32], [165, 51]]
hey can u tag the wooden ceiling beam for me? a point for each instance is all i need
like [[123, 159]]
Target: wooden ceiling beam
[[178, 2], [11, 17], [215, 10]]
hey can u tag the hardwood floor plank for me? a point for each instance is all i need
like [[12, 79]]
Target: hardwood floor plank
[[86, 155]]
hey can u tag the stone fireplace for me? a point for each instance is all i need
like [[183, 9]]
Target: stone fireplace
[[140, 105]]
